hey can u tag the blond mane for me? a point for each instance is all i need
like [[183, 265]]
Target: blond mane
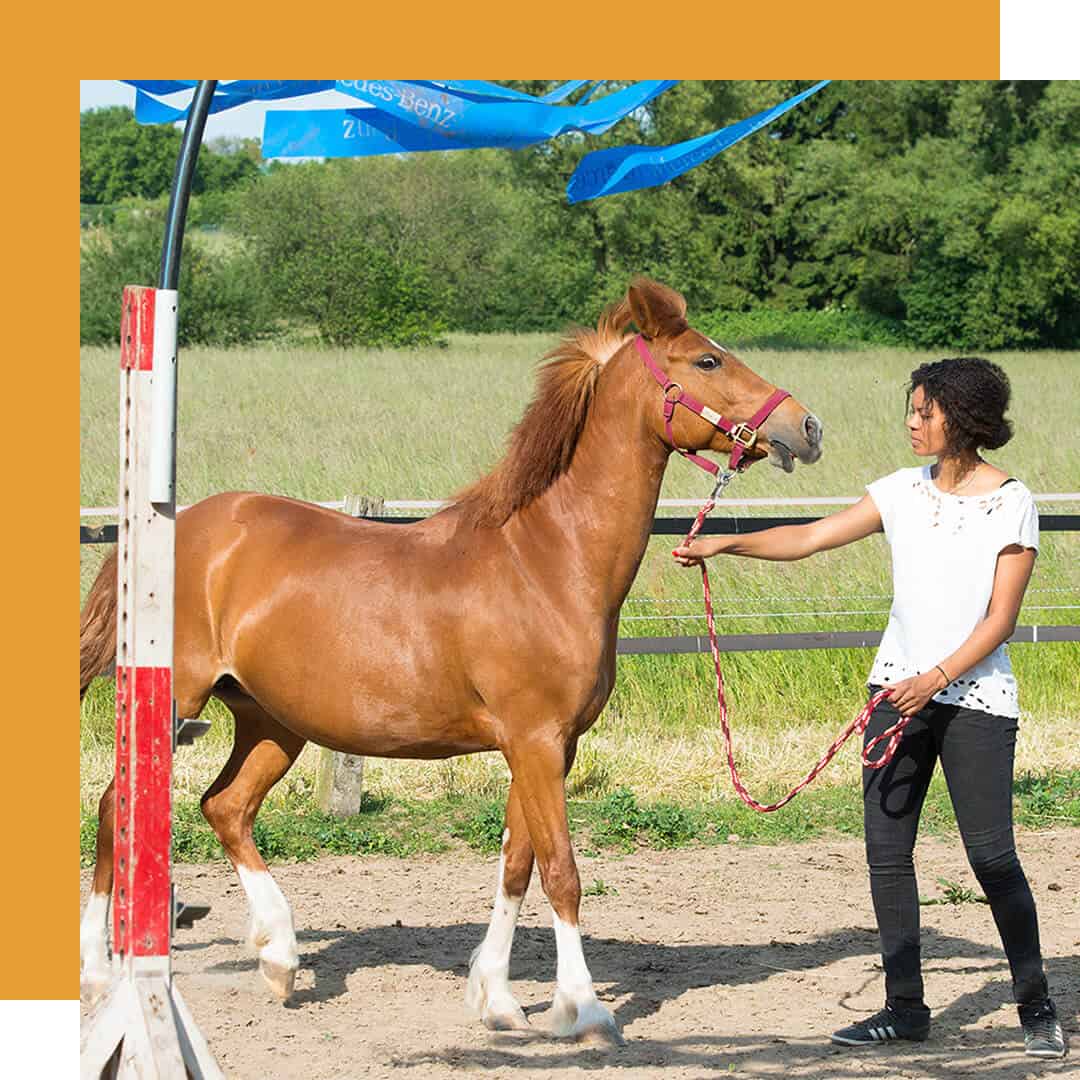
[[542, 445]]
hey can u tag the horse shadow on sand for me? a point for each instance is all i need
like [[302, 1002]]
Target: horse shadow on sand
[[643, 975]]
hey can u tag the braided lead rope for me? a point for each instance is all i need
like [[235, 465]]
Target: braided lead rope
[[893, 733]]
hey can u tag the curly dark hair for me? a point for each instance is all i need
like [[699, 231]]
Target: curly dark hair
[[973, 394]]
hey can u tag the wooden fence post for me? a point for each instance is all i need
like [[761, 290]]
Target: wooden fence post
[[339, 779], [339, 783], [364, 506]]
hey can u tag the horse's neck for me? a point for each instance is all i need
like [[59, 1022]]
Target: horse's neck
[[603, 505]]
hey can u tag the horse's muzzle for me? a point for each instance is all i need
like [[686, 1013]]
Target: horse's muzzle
[[793, 439]]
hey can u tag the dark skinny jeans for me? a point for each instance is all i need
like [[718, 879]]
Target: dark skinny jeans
[[976, 751]]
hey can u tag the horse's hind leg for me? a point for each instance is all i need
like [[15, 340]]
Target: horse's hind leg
[[94, 928], [262, 753], [488, 993]]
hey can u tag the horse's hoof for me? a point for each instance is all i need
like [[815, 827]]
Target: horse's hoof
[[585, 1021], [604, 1034], [280, 979], [495, 1006], [505, 1016]]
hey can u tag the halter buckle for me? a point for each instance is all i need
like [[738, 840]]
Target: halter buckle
[[667, 390], [744, 435]]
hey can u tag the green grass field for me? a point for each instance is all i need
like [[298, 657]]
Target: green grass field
[[319, 424]]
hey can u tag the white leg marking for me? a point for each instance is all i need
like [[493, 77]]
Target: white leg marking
[[576, 1011], [271, 932], [488, 992], [93, 947]]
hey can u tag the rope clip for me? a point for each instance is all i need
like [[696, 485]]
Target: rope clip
[[725, 477]]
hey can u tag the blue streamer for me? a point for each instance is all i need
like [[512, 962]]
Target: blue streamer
[[423, 115], [161, 86], [480, 91], [273, 89], [628, 168], [508, 124], [228, 96], [148, 110], [240, 91]]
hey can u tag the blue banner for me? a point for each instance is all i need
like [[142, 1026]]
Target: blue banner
[[337, 133], [148, 110], [273, 89], [627, 168], [480, 91], [415, 116], [227, 96], [161, 86], [461, 121], [341, 133], [240, 91]]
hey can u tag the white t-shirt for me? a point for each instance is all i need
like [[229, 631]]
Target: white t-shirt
[[944, 555]]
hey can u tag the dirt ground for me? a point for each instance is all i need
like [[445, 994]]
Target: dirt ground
[[733, 960]]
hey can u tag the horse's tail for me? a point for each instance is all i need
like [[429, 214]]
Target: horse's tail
[[97, 628]]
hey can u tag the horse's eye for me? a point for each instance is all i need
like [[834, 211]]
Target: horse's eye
[[707, 362]]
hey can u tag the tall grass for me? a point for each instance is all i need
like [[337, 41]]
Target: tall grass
[[318, 424]]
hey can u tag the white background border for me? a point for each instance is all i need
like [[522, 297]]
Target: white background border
[[40, 1038], [1040, 39]]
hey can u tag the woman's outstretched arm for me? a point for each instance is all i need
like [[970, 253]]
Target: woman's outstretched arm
[[786, 543]]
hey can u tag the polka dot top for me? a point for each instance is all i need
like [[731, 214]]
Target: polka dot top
[[944, 555]]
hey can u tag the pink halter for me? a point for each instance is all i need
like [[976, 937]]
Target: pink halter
[[743, 435]]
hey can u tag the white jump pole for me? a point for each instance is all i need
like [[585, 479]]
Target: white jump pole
[[143, 1027]]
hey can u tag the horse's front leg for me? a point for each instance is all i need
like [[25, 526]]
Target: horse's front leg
[[488, 992], [538, 767]]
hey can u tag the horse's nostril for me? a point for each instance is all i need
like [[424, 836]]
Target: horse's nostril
[[812, 427]]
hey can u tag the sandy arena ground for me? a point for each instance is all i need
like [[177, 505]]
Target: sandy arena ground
[[732, 960]]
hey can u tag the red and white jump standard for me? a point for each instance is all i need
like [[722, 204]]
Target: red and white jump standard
[[143, 1027]]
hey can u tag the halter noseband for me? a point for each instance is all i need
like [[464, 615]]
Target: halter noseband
[[743, 435]]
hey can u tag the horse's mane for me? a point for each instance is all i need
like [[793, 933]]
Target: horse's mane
[[542, 445]]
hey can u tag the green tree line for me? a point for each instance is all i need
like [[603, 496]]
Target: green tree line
[[120, 159], [941, 214]]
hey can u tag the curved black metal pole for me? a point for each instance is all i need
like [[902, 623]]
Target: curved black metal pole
[[169, 274]]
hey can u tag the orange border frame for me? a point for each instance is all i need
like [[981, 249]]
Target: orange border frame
[[39, 448]]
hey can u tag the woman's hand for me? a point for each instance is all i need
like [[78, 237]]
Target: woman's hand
[[699, 549], [911, 695]]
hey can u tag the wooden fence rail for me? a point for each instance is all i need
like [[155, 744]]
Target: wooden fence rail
[[339, 778]]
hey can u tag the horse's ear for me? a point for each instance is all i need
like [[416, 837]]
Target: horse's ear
[[657, 310]]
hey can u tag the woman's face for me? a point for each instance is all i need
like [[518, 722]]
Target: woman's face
[[926, 425]]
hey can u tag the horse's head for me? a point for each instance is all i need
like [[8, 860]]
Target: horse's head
[[709, 375]]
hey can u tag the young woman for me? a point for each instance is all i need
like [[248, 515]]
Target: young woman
[[963, 536]]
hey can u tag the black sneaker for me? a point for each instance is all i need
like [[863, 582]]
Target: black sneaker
[[1043, 1037], [885, 1026]]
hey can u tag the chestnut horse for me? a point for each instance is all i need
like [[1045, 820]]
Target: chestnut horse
[[489, 626]]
